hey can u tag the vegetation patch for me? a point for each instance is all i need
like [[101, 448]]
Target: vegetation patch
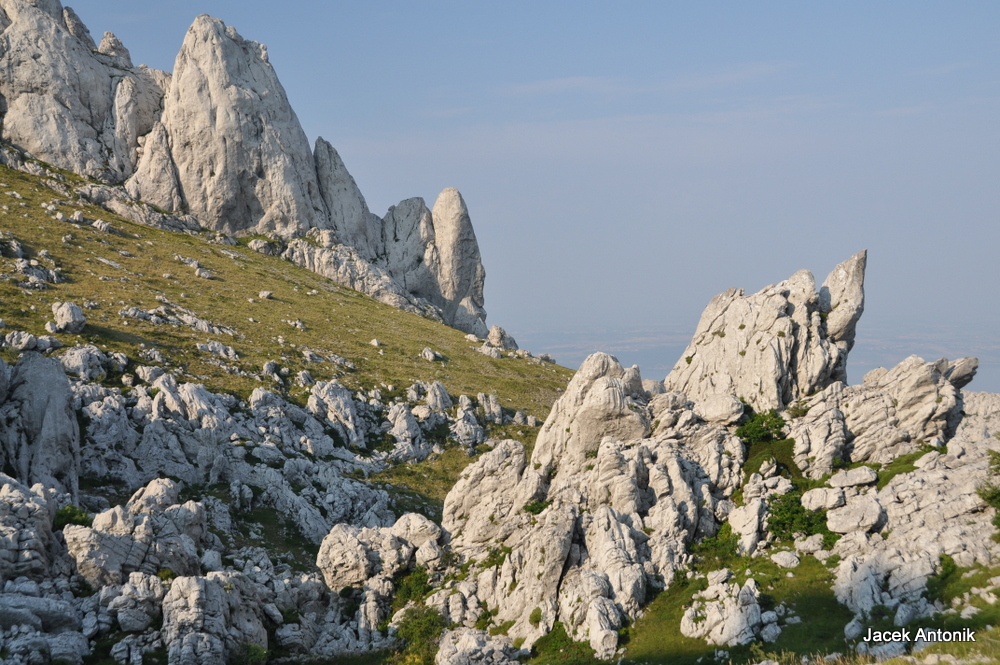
[[71, 515], [902, 464], [787, 518]]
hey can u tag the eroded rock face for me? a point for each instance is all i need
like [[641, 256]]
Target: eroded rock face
[[240, 158], [38, 427], [891, 413], [778, 345], [413, 259], [725, 613], [206, 619], [25, 531], [218, 145], [599, 514], [67, 104]]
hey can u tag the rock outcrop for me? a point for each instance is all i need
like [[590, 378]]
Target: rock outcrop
[[602, 511], [779, 345], [68, 103], [235, 154], [622, 479], [39, 433], [217, 145]]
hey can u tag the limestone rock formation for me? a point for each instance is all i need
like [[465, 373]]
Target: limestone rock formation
[[217, 145], [38, 427], [67, 104], [727, 615], [68, 318], [238, 154], [891, 413], [602, 511], [776, 346], [464, 646]]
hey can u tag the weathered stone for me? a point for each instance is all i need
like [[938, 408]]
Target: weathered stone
[[69, 317], [860, 514], [774, 347]]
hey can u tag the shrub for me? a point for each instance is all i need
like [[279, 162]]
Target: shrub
[[535, 617], [717, 550], [71, 515], [788, 517], [536, 507], [938, 582], [496, 557], [413, 586], [761, 428], [798, 409], [165, 574], [248, 654], [421, 627]]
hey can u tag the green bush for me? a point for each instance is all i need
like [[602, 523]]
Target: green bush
[[761, 428], [413, 586], [536, 507], [535, 617], [716, 551], [989, 492], [71, 515], [496, 557], [938, 582], [797, 410], [421, 627], [248, 654], [788, 517]]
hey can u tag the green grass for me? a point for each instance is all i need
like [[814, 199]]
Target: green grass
[[338, 320], [656, 637]]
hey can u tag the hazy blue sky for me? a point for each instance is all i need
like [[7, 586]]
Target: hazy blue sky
[[623, 165]]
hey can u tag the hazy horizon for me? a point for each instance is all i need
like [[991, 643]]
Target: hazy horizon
[[622, 166]]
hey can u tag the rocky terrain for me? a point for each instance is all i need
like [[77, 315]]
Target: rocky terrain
[[216, 145], [233, 428]]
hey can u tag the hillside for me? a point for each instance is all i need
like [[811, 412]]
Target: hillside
[[279, 480], [214, 451]]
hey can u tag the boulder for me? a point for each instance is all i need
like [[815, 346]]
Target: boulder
[[862, 475], [499, 338], [84, 362], [465, 646], [69, 318], [350, 555], [725, 614], [785, 559], [823, 498], [722, 409], [861, 513]]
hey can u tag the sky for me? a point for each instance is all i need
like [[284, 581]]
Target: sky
[[624, 164]]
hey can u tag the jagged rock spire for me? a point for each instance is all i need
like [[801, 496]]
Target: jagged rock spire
[[778, 345]]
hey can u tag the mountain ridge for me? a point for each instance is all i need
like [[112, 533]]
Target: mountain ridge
[[216, 145]]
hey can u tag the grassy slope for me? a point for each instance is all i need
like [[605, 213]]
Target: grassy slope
[[337, 320]]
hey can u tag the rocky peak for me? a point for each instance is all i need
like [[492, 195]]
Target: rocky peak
[[77, 28], [217, 145], [778, 345], [458, 268], [240, 158], [350, 218]]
